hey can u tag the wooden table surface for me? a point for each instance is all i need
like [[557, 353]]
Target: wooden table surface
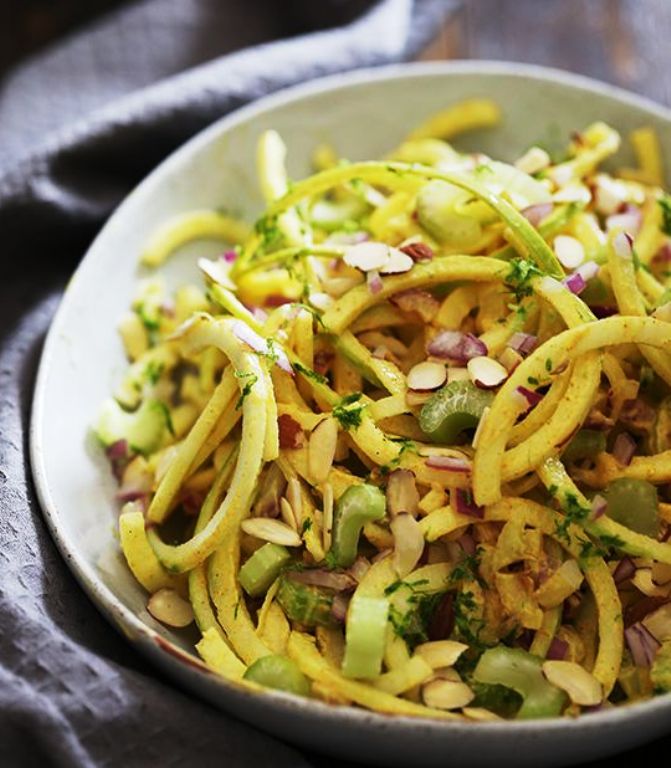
[[625, 42]]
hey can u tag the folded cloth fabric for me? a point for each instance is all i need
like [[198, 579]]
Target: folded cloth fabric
[[72, 693]]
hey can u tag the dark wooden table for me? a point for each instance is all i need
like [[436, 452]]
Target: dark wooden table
[[625, 42]]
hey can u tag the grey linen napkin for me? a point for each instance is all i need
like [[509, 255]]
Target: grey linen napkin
[[75, 136]]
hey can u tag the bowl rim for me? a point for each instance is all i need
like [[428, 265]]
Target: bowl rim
[[181, 665]]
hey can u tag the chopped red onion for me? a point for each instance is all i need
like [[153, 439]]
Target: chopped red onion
[[524, 343], [625, 569], [599, 505], [642, 644], [454, 345], [449, 463], [624, 449], [575, 283], [259, 344], [374, 281], [557, 650], [117, 450], [321, 577], [339, 608], [534, 214], [465, 504], [532, 397], [229, 256]]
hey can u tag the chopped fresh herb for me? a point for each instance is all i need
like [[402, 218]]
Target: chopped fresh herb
[[548, 365], [520, 276], [348, 411], [533, 380], [467, 569], [413, 624], [310, 374], [466, 625], [266, 227], [251, 379], [307, 525], [405, 445], [574, 512], [665, 205], [153, 371], [166, 415]]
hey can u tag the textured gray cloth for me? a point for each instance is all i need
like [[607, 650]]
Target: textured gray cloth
[[75, 137]]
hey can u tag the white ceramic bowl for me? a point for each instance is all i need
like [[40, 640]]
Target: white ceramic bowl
[[363, 114]]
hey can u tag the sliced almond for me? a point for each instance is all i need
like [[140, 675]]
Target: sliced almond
[[642, 580], [573, 192], [658, 623], [610, 194], [581, 686], [426, 376], [569, 251], [320, 301], [480, 714], [444, 694], [485, 372], [287, 514], [441, 653], [269, 529], [367, 256], [402, 494], [408, 543], [294, 498], [169, 608], [413, 398], [660, 573], [397, 263], [533, 160], [327, 515], [322, 448], [217, 270]]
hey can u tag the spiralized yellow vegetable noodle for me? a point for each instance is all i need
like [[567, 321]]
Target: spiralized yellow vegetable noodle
[[407, 445]]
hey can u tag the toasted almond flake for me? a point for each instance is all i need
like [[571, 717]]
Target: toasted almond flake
[[533, 160], [426, 376], [447, 673], [642, 580], [622, 245], [217, 270], [582, 687], [327, 515], [293, 496], [478, 429], [322, 448], [408, 543], [441, 653], [561, 174], [287, 514], [569, 250], [658, 623], [320, 301], [269, 529], [610, 194], [367, 256], [402, 494], [480, 714], [457, 374], [444, 694], [660, 573], [398, 262], [169, 608], [485, 372]]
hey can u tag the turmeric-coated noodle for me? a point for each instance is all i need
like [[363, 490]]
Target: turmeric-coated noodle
[[408, 446]]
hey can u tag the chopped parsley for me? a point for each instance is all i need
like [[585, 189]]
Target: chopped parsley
[[574, 512], [348, 411], [251, 379], [665, 204], [413, 624], [405, 445], [467, 626], [310, 374], [307, 525], [520, 276]]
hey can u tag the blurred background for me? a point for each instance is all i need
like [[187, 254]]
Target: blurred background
[[622, 41]]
